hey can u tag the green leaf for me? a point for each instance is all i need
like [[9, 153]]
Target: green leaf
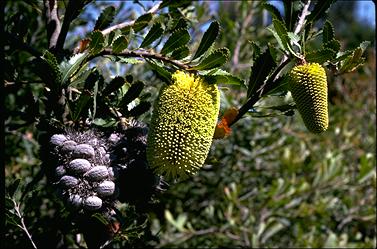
[[319, 10], [13, 187], [180, 24], [105, 19], [273, 10], [120, 44], [177, 39], [333, 44], [291, 12], [281, 35], [96, 42], [141, 108], [80, 106], [142, 22], [69, 68], [262, 67], [320, 56], [132, 61], [132, 93], [256, 49], [220, 76], [101, 218], [215, 59], [180, 53], [174, 3], [352, 62], [159, 69], [113, 85], [91, 80], [208, 39], [154, 33], [328, 32]]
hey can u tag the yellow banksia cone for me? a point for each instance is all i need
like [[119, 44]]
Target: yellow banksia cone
[[308, 85], [182, 126]]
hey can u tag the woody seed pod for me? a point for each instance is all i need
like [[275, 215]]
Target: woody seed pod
[[68, 181], [106, 188], [92, 203], [83, 150], [58, 139], [79, 166], [97, 173]]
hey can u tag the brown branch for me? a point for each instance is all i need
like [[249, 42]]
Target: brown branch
[[52, 22], [301, 20], [245, 24], [142, 54], [130, 23]]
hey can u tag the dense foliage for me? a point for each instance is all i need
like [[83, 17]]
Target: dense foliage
[[267, 182]]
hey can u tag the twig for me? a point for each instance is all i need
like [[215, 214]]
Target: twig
[[130, 23], [142, 54], [245, 24], [301, 20], [270, 83], [52, 22], [23, 226]]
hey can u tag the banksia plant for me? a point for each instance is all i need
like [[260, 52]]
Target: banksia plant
[[182, 126], [308, 85]]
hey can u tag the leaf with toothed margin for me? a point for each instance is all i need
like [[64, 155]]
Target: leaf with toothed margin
[[96, 42], [219, 76], [180, 53], [273, 11], [208, 39], [120, 44], [142, 22], [215, 59], [154, 33], [177, 39], [327, 32], [320, 56], [105, 19], [159, 69]]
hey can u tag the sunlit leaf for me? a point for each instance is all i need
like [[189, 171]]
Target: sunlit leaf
[[208, 38], [105, 19]]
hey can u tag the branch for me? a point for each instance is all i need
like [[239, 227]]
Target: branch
[[52, 22], [142, 54], [301, 20], [245, 24], [262, 90], [130, 23], [23, 226]]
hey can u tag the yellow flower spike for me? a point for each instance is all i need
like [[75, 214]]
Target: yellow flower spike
[[308, 85], [182, 126]]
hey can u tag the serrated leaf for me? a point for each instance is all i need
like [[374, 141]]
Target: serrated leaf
[[327, 32], [333, 44], [69, 68], [96, 42], [180, 53], [161, 72], [132, 93], [101, 218], [256, 49], [291, 12], [208, 39], [295, 39], [215, 59], [105, 19], [320, 56], [319, 10], [259, 71], [220, 76], [120, 44], [180, 24], [142, 22], [177, 39], [113, 85], [132, 61], [281, 34], [154, 33], [273, 10], [174, 3], [352, 62]]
